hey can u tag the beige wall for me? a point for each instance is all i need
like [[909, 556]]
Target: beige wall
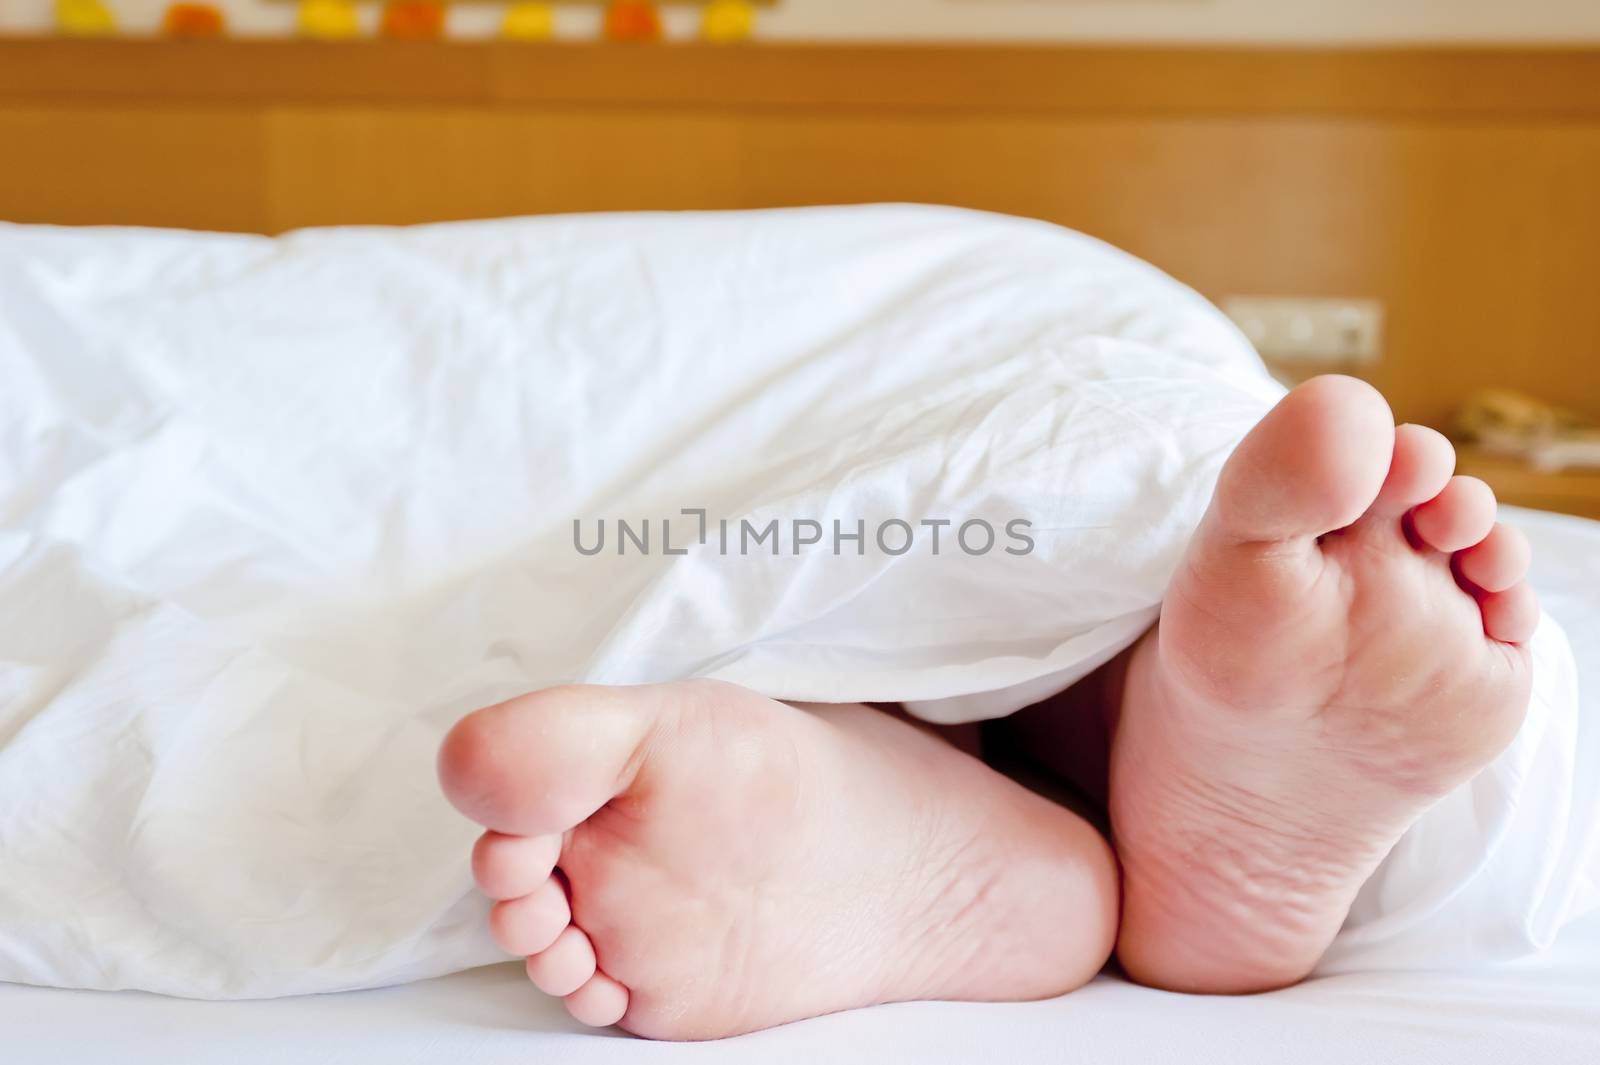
[[1144, 20]]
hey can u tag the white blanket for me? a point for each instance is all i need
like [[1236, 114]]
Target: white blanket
[[274, 513]]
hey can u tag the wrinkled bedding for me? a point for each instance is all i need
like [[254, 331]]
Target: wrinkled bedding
[[1544, 1009], [275, 512]]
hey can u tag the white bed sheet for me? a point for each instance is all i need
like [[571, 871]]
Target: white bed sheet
[[1542, 1009]]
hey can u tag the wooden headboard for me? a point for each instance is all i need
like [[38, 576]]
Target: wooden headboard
[[1461, 188]]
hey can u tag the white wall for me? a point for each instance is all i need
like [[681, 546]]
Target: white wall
[[1195, 20], [1543, 21]]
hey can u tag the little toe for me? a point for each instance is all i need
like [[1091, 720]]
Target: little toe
[[1499, 561], [508, 867], [1419, 470], [1512, 615], [1458, 517], [565, 965], [532, 923], [599, 1003]]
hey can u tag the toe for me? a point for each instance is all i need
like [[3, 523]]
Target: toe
[[1497, 562], [565, 965], [544, 762], [533, 922], [1422, 464], [508, 867], [1457, 517], [1314, 464], [1512, 615], [599, 1003]]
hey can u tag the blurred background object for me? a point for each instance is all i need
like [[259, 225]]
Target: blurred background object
[[725, 21], [413, 20], [1519, 426], [329, 20], [1323, 23], [632, 20], [1533, 453], [528, 20], [1407, 192], [85, 18], [194, 20]]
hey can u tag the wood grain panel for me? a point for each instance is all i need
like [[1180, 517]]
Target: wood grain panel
[[348, 165], [1461, 188], [1483, 240], [184, 166]]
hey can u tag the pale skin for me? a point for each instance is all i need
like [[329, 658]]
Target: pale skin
[[1342, 645]]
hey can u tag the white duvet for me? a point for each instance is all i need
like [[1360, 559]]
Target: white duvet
[[275, 512]]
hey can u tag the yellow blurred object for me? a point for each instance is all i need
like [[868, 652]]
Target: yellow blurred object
[[727, 21], [85, 18], [528, 21], [329, 20]]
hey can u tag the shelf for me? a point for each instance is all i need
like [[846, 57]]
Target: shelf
[[1572, 491]]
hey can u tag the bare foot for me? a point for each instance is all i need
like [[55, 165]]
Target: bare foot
[[726, 862], [1339, 649]]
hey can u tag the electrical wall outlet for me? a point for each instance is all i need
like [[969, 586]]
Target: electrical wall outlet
[[1293, 329]]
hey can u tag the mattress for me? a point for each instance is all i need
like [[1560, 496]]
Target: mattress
[[1544, 1008]]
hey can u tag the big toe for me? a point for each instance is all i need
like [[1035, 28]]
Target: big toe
[[544, 762], [1314, 464]]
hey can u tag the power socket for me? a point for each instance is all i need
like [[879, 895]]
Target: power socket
[[1295, 329]]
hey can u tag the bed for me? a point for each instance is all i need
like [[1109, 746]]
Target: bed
[[273, 136], [1544, 1009]]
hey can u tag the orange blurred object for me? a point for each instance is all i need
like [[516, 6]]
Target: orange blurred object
[[632, 20], [413, 20], [193, 20]]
